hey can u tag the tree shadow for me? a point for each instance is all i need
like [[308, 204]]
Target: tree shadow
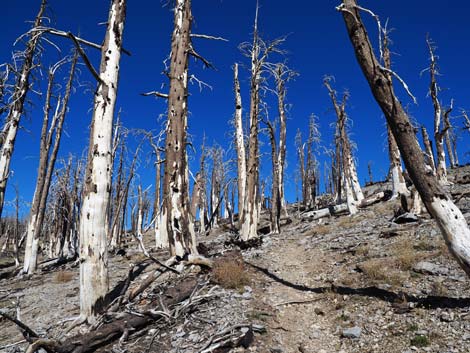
[[427, 302]]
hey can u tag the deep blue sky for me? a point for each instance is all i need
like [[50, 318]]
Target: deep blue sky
[[317, 44]]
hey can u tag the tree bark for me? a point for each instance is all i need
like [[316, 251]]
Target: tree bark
[[449, 218], [240, 144], [45, 169], [177, 222], [19, 96], [94, 225]]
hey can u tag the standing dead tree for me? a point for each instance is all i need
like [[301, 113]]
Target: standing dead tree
[[18, 98], [177, 221], [441, 126], [240, 145], [94, 223], [396, 171], [438, 202], [258, 51], [51, 134], [351, 185], [428, 152]]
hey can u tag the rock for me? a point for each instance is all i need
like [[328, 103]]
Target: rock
[[352, 332], [258, 328], [319, 311], [430, 268], [447, 317], [406, 218], [276, 350]]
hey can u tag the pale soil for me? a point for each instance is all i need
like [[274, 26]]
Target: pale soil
[[309, 283]]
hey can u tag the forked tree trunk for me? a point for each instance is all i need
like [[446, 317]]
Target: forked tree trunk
[[240, 144], [94, 225], [449, 218], [177, 223], [12, 122], [351, 185]]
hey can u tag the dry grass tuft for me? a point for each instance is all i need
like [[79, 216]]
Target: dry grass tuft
[[405, 255], [63, 276], [382, 271], [229, 272]]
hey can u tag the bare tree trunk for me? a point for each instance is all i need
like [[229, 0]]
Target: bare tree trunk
[[281, 94], [240, 144], [449, 218], [250, 215], [429, 154], [352, 188], [275, 191], [448, 140], [45, 169], [398, 181], [16, 110], [94, 225], [177, 222], [438, 133]]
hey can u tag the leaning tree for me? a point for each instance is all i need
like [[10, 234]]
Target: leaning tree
[[438, 202]]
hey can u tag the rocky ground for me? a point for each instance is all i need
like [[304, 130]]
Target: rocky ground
[[341, 284]]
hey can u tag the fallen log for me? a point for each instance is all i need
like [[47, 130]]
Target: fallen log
[[112, 331], [325, 212]]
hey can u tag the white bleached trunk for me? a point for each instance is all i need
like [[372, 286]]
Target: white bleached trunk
[[93, 227], [350, 199], [356, 187], [240, 144]]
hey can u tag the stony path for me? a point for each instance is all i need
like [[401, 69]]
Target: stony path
[[312, 298]]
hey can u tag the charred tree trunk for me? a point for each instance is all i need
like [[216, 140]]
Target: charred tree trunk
[[94, 212], [449, 218], [16, 110], [177, 222]]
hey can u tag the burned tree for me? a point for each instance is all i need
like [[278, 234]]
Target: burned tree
[[51, 134], [351, 185], [177, 221], [441, 126], [449, 218], [15, 111], [94, 223], [258, 51], [396, 171]]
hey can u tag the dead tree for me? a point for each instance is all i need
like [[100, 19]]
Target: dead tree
[[282, 74], [94, 212], [300, 147], [216, 185], [240, 145], [440, 126], [428, 151], [438, 202], [177, 221], [396, 171], [311, 163], [51, 134], [351, 185], [15, 112], [450, 141], [258, 51]]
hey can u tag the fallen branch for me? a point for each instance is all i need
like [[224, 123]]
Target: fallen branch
[[26, 331]]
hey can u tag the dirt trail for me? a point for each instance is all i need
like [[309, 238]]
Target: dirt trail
[[310, 291]]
